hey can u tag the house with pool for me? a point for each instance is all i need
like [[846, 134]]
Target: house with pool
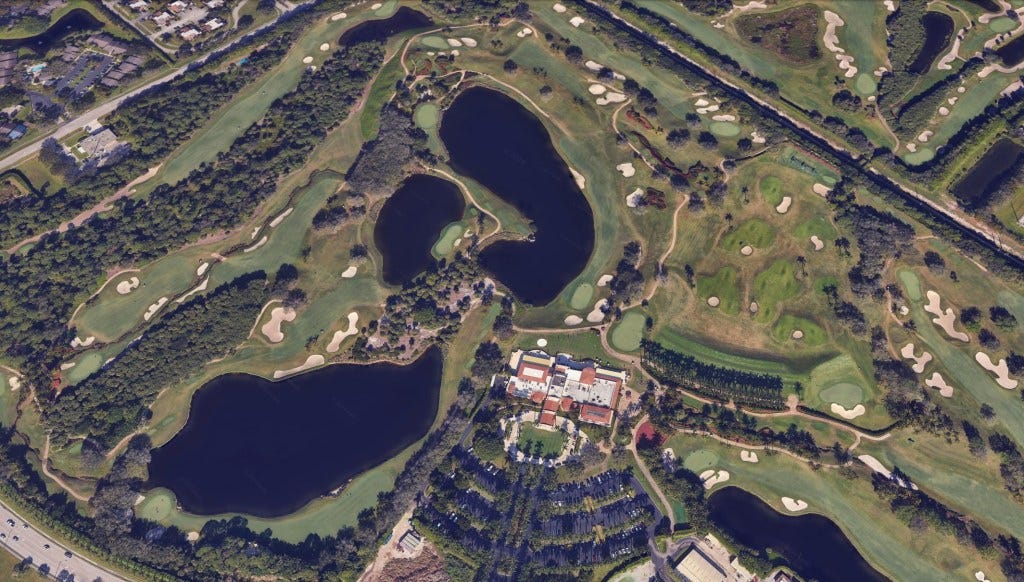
[[562, 384]]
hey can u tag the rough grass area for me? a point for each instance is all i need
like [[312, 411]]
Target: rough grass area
[[771, 189], [723, 285], [788, 324], [792, 34], [755, 232], [776, 283]]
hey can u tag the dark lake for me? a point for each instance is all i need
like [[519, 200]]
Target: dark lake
[[379, 30], [975, 189], [410, 223], [268, 448], [77, 20], [814, 546], [1012, 52], [938, 30], [494, 140], [987, 5]]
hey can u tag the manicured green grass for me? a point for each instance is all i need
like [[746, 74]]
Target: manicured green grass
[[628, 332], [755, 232], [771, 188], [85, 365], [723, 285], [699, 460], [1002, 24], [426, 115], [724, 128], [8, 401], [844, 393], [809, 165], [387, 9], [818, 226], [866, 84], [787, 324], [581, 296], [921, 156], [540, 442], [434, 42], [775, 284], [446, 243]]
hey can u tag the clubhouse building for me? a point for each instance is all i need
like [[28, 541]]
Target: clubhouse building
[[561, 384]]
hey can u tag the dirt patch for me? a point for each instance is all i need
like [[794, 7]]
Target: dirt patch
[[792, 34], [426, 567]]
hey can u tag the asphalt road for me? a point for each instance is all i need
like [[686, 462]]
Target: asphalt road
[[43, 550]]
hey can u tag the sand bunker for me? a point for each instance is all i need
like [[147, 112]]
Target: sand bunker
[[756, 137], [821, 189], [558, 8], [597, 89], [126, 287], [375, 6], [325, 46], [471, 43], [748, 456], [202, 269], [627, 169], [980, 576], [712, 478], [573, 320], [200, 287], [280, 217], [338, 16], [83, 343], [948, 58], [818, 244], [307, 60], [783, 206], [877, 466], [832, 44], [919, 362], [714, 301], [349, 272], [725, 117], [604, 280], [311, 362], [938, 382], [890, 5], [943, 111], [753, 307], [911, 147], [15, 382], [596, 315], [904, 310], [944, 319], [542, 343], [576, 21], [525, 32], [67, 366], [702, 102], [633, 198], [151, 311], [262, 242], [925, 136], [797, 334], [454, 42], [611, 97], [340, 335], [790, 503], [272, 329], [847, 414], [708, 109], [1001, 370], [581, 181], [747, 250], [255, 231], [750, 6]]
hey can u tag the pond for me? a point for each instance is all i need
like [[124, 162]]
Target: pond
[[938, 30], [410, 223], [268, 448], [814, 546], [77, 20], [379, 30], [494, 140], [975, 189], [1012, 53]]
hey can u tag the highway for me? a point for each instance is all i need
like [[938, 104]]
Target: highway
[[25, 541]]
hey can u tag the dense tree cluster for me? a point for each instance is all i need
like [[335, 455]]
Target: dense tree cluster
[[382, 162]]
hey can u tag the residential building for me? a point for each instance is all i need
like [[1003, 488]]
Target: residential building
[[162, 19], [707, 560], [98, 145], [189, 34], [561, 384], [177, 7], [214, 4], [139, 5], [212, 24]]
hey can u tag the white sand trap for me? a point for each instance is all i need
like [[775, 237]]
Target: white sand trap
[[919, 361], [818, 244], [581, 181], [604, 280], [340, 335], [911, 147], [832, 44], [542, 343], [633, 198], [747, 250], [980, 576], [262, 242], [307, 60], [702, 102], [192, 536], [943, 111], [454, 42], [961, 89], [558, 8], [82, 343], [593, 65], [952, 100], [151, 311], [198, 288], [202, 269], [925, 136], [597, 89], [944, 319], [753, 307], [325, 46], [525, 32], [611, 97], [571, 320], [126, 287], [714, 478], [1001, 370], [714, 301], [596, 315], [708, 109], [890, 5], [576, 21], [750, 6], [255, 231], [455, 52], [15, 382], [627, 169], [725, 117], [280, 217], [821, 189], [338, 16], [790, 503], [797, 334], [938, 382], [783, 206], [311, 362], [904, 310], [67, 366], [954, 52], [748, 456], [349, 272], [877, 466], [470, 42], [847, 414], [375, 6], [272, 329], [669, 454]]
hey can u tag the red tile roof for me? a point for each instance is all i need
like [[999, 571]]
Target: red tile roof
[[596, 414], [566, 403], [547, 418], [550, 405], [541, 376], [537, 397], [587, 376]]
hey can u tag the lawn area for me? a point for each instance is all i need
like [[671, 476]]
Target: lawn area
[[754, 232], [627, 333], [775, 284], [788, 325], [537, 441], [724, 286], [771, 188], [8, 401]]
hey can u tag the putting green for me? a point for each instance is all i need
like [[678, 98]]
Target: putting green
[[1002, 24], [725, 128], [844, 394], [628, 332], [700, 460], [85, 365], [920, 156], [434, 42], [756, 233], [865, 84], [813, 334], [386, 9], [157, 505], [771, 189], [444, 245], [581, 296], [913, 286], [426, 116]]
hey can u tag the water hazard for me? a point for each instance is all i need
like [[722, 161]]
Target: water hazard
[[938, 30], [380, 30]]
